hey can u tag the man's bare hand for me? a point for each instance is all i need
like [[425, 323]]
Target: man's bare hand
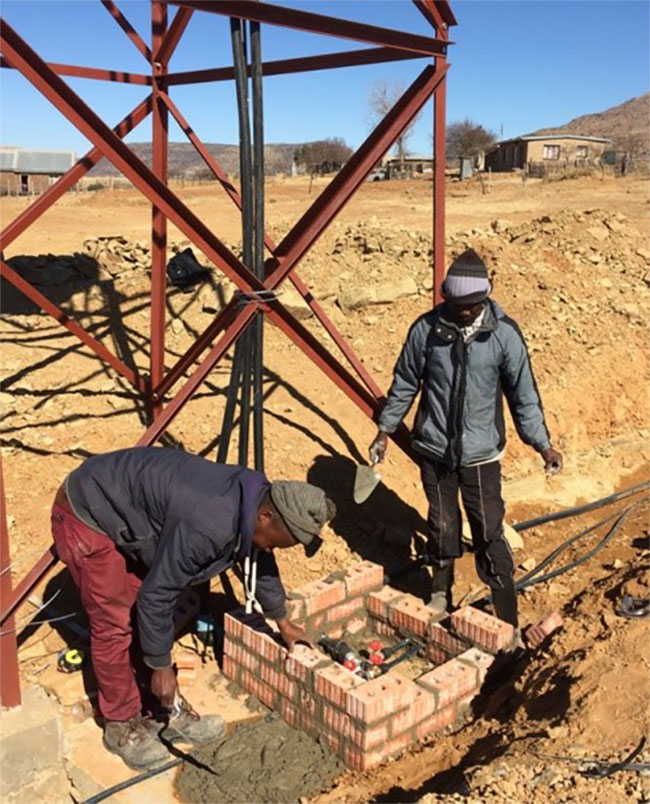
[[163, 685], [292, 634], [553, 461], [377, 450]]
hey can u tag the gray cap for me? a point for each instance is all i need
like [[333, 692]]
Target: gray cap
[[303, 507]]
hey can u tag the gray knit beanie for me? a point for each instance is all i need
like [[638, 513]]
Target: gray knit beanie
[[467, 279], [303, 507]]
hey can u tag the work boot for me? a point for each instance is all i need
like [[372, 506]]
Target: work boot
[[187, 726], [131, 740]]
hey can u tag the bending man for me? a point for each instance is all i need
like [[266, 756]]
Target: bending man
[[136, 527]]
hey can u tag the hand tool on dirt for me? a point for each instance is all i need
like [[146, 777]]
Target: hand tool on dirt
[[70, 660], [633, 608], [365, 481]]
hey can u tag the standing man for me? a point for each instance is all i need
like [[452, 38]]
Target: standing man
[[136, 527], [465, 355]]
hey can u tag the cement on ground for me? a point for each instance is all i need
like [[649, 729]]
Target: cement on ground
[[267, 761]]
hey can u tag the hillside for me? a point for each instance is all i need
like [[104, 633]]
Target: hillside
[[185, 161], [626, 125]]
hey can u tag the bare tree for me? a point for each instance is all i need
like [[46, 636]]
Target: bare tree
[[467, 138], [383, 96], [323, 156]]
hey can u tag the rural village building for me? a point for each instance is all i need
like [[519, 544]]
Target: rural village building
[[27, 172], [409, 166], [548, 150]]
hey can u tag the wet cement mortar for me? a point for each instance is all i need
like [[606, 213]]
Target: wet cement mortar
[[265, 762]]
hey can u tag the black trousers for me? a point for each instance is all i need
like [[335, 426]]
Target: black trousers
[[480, 489]]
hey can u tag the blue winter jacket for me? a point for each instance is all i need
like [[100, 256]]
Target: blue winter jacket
[[459, 420], [184, 518]]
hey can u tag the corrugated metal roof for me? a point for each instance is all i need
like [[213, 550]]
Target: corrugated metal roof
[[24, 160]]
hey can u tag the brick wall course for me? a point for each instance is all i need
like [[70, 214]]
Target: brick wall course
[[450, 681], [378, 602], [411, 614], [479, 659], [363, 577], [483, 629], [334, 682], [380, 697], [441, 637], [320, 595]]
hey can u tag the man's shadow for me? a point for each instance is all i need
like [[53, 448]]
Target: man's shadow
[[383, 529]]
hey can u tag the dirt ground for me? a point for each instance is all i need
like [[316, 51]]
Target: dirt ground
[[570, 262]]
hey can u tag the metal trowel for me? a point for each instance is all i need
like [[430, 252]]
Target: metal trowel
[[365, 482]]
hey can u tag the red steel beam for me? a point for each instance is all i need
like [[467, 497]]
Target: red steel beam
[[158, 219], [438, 14], [327, 61], [128, 29], [9, 675], [319, 23], [28, 582], [62, 317], [317, 218], [76, 172], [172, 37], [91, 72], [439, 177]]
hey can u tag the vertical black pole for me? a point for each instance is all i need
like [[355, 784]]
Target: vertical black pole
[[258, 262]]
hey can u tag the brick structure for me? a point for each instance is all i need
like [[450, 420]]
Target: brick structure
[[364, 721]]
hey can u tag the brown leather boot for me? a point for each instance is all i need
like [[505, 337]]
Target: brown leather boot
[[138, 746]]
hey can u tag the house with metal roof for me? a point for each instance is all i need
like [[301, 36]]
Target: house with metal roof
[[546, 149], [24, 171]]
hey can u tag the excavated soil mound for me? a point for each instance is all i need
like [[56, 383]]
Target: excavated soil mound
[[267, 761]]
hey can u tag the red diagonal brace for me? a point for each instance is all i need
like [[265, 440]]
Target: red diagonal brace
[[173, 35], [76, 172], [56, 312], [91, 72], [128, 29]]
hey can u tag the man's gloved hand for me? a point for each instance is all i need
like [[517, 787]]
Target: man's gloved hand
[[377, 449], [553, 461], [292, 634], [163, 685]]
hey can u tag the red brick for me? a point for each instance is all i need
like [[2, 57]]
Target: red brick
[[442, 638], [411, 614], [356, 625], [549, 623], [482, 629], [436, 654], [380, 697], [362, 577], [423, 705], [320, 595], [289, 713], [264, 645], [316, 623], [333, 682], [336, 721], [449, 682], [230, 669], [187, 660], [378, 602], [366, 737], [334, 742], [382, 628], [279, 680], [309, 724], [346, 610], [401, 721], [436, 722], [479, 659], [244, 658], [300, 663], [233, 627], [398, 744], [186, 676], [307, 703]]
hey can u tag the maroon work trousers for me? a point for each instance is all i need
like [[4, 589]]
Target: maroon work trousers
[[108, 592]]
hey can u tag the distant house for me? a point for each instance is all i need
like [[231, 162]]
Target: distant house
[[27, 172], [549, 150], [409, 166]]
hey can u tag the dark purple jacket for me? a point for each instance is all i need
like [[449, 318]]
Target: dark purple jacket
[[185, 518]]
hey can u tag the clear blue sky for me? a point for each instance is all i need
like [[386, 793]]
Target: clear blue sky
[[517, 64]]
